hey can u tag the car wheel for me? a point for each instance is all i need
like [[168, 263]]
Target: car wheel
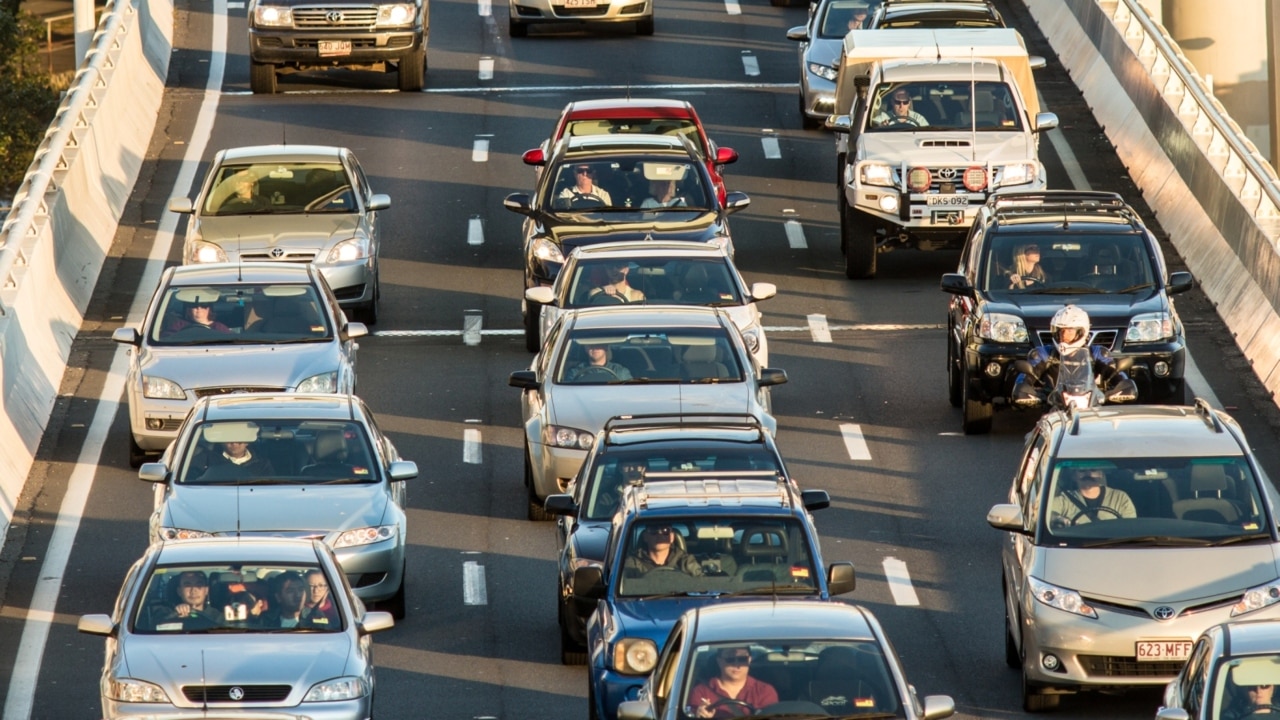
[[517, 29], [536, 511], [532, 317], [396, 605], [137, 455], [955, 380], [262, 78], [1034, 699], [644, 26], [977, 414], [368, 314], [412, 71], [859, 245], [807, 122], [571, 653]]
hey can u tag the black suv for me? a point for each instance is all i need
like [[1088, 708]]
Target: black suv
[[1095, 253], [629, 449]]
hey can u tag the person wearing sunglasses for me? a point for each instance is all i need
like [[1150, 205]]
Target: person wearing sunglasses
[[732, 692], [198, 315], [896, 110], [656, 549], [583, 192], [1085, 497], [1251, 702]]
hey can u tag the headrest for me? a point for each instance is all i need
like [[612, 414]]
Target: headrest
[[1208, 477], [700, 354], [695, 275], [330, 443]]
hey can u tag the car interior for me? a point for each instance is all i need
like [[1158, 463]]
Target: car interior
[[1103, 262], [257, 312], [679, 281], [233, 591], [299, 451]]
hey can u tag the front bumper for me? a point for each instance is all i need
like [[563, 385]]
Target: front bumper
[[375, 571], [898, 211], [353, 282], [612, 689], [554, 467], [283, 46], [605, 11], [359, 709], [818, 94]]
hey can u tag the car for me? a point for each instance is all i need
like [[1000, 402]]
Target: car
[[821, 46], [1129, 530], [726, 541], [631, 448], [560, 217], [292, 35], [668, 273], [1095, 253], [665, 359], [273, 327], [524, 13], [820, 658], [902, 14], [228, 660], [627, 116], [1233, 670], [312, 204], [320, 456]]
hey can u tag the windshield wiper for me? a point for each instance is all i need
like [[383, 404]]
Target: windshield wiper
[[1151, 540], [1139, 286], [343, 481], [771, 590], [663, 596], [1071, 290], [1241, 539]]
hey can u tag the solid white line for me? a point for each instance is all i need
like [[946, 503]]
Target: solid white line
[[750, 65], [795, 234], [895, 573], [854, 443], [471, 446], [235, 6], [608, 88], [473, 586], [732, 7], [1197, 385], [44, 600], [772, 151], [818, 328], [480, 150], [486, 68], [1069, 162], [486, 8], [472, 324], [475, 231]]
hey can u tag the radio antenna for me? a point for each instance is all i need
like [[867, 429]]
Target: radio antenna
[[973, 108]]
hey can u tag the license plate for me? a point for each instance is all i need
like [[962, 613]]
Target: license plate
[[947, 200], [1162, 650], [580, 3], [333, 48]]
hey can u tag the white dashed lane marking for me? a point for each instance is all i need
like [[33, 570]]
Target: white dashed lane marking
[[795, 234], [475, 231], [750, 65], [818, 329], [486, 68], [895, 573], [772, 151], [473, 585], [472, 326], [485, 7], [471, 444], [732, 7], [480, 149], [854, 443]]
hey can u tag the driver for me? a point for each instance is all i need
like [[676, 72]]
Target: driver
[[598, 363], [732, 692], [584, 186], [199, 314], [898, 111], [1255, 704], [617, 289], [658, 550], [1090, 500]]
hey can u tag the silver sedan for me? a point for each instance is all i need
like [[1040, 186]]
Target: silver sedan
[[821, 45], [229, 628], [213, 329]]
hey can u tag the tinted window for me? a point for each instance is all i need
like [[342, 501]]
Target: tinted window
[[275, 452], [192, 599], [983, 106], [1090, 262], [239, 314]]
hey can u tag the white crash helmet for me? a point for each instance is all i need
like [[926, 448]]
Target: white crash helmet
[[1070, 328]]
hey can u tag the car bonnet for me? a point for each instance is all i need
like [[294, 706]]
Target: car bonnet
[[282, 366], [257, 508], [1168, 575], [993, 146], [293, 231]]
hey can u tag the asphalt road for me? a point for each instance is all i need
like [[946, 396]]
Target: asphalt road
[[920, 498]]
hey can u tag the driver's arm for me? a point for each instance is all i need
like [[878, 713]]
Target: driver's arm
[[1120, 501]]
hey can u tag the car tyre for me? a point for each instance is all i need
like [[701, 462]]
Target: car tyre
[[532, 317], [262, 78], [536, 511], [412, 71], [644, 26], [517, 29], [396, 604], [859, 245], [1034, 699], [137, 455], [977, 414], [955, 379]]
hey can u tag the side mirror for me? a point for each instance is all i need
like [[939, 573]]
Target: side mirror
[[736, 201], [130, 336], [937, 707], [763, 291], [1006, 517], [1037, 62], [839, 123], [534, 157], [156, 472], [541, 295], [560, 504], [96, 625], [181, 205], [373, 622], [772, 376], [517, 203], [815, 499], [635, 710], [726, 156], [524, 379], [356, 330], [1046, 121], [379, 201], [403, 470], [1179, 282], [799, 33], [840, 578], [588, 582], [957, 284]]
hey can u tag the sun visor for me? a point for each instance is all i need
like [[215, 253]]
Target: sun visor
[[245, 432], [198, 295], [664, 171]]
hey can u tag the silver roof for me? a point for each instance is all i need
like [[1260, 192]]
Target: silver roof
[[237, 549], [282, 153], [767, 621]]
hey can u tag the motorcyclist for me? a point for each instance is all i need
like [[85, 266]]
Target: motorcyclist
[[1070, 331]]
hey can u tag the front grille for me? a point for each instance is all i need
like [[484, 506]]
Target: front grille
[[206, 392], [356, 44], [296, 256], [599, 9], [335, 17], [222, 693], [1119, 666], [1103, 338]]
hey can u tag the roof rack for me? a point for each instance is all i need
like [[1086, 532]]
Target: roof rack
[[659, 420], [1058, 198], [712, 485], [1209, 417]]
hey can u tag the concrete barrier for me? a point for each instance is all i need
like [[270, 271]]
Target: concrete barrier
[[64, 218], [1213, 192]]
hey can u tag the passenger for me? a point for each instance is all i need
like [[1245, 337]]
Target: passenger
[[662, 193], [191, 607], [598, 365], [1026, 271], [725, 695], [199, 315], [859, 18], [1090, 500], [898, 112], [618, 289], [320, 606], [290, 602], [658, 550], [584, 188]]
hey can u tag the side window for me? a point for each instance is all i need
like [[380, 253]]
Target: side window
[[118, 613], [1193, 684], [664, 675], [972, 250], [544, 359], [1034, 485], [1026, 471], [357, 176]]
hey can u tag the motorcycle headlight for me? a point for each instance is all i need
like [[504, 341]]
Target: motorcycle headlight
[[1256, 598], [343, 688], [272, 16], [826, 72], [635, 656], [157, 388], [352, 249], [322, 383], [751, 336], [1060, 598], [876, 173], [172, 533], [129, 690], [567, 437], [362, 536], [1150, 327], [546, 250], [1002, 328], [397, 14], [1018, 174], [206, 252]]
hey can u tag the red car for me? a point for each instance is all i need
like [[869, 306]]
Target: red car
[[650, 116]]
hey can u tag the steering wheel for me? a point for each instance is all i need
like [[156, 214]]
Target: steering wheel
[[589, 370], [583, 202], [733, 703], [1098, 510], [604, 298], [902, 120]]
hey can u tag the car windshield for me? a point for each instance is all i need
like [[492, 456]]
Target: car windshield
[[1084, 263], [983, 106], [841, 678], [613, 473], [839, 18], [613, 357], [701, 556], [239, 314], [637, 186], [669, 281], [240, 599], [1243, 684], [280, 188], [1154, 501], [634, 126], [277, 452], [939, 20]]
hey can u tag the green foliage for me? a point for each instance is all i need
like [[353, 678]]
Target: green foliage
[[27, 99]]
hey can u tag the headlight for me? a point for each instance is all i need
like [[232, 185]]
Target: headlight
[[362, 536], [634, 656], [347, 250], [1150, 327], [322, 383], [344, 688], [272, 16], [1002, 328], [567, 437], [876, 173], [825, 72], [751, 336], [170, 533], [207, 252], [547, 251], [1060, 598], [1257, 598], [398, 14], [157, 388], [1018, 174], [133, 691]]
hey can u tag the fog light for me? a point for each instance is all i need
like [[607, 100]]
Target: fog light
[[155, 423], [1051, 663], [994, 369], [889, 203], [1162, 369]]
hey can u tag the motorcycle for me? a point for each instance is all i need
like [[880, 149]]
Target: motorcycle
[[1071, 382]]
